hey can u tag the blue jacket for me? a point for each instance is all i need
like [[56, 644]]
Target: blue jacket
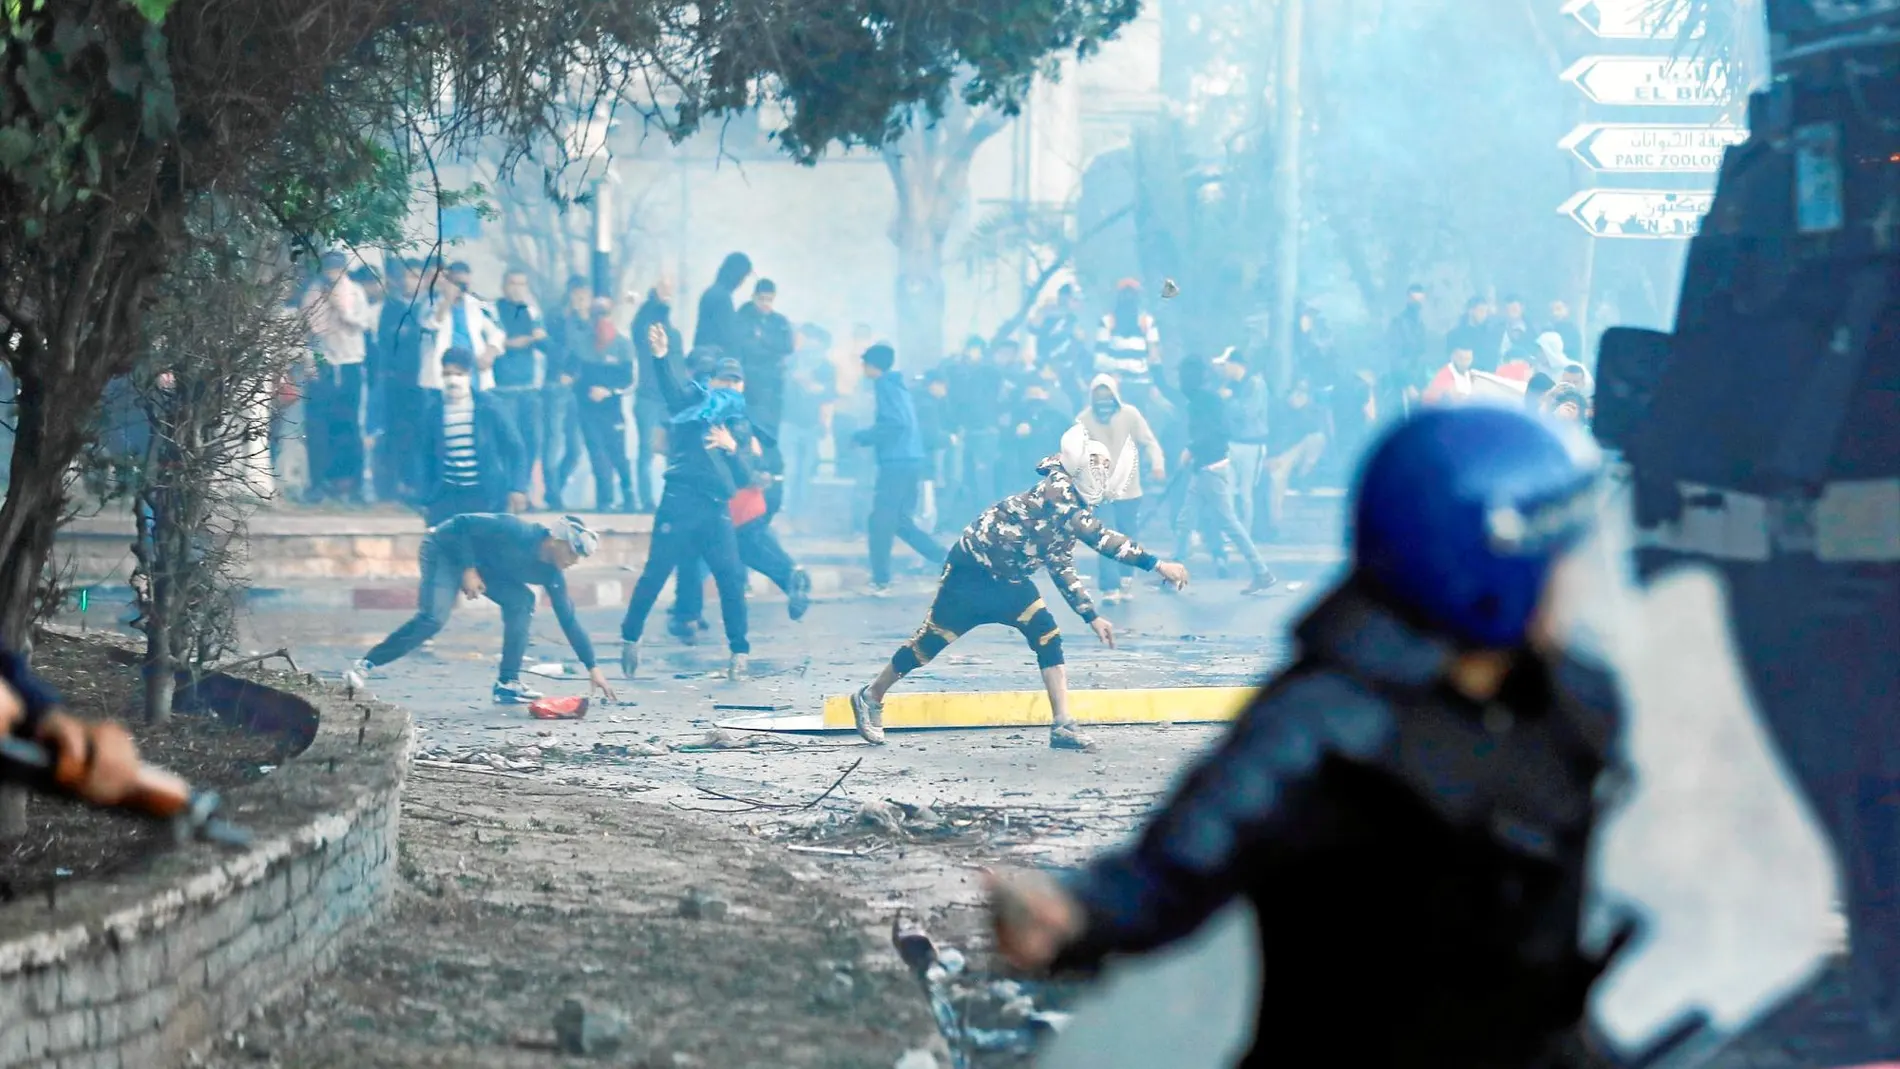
[[895, 434]]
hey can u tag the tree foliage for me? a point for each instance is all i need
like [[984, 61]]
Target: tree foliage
[[322, 113]]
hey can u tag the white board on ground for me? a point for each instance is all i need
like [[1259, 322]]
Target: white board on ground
[[1639, 213], [1651, 81], [1191, 1007], [1652, 148]]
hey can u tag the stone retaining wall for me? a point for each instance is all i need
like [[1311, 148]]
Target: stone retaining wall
[[133, 971], [293, 546]]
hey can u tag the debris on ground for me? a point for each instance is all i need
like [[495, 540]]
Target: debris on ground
[[917, 1059], [697, 904], [417, 990], [881, 815], [583, 1029]]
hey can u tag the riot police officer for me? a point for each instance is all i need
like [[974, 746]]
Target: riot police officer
[[1409, 806]]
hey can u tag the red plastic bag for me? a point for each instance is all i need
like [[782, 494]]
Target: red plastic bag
[[558, 709], [746, 505]]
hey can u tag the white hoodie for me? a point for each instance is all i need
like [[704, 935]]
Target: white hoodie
[[1128, 424]]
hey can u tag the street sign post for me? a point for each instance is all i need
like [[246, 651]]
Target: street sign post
[[1651, 81], [1628, 20], [1639, 213], [1652, 148]]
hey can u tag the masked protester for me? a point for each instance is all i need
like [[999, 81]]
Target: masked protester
[[1410, 806], [475, 461], [705, 469], [1116, 424], [500, 557], [759, 547], [989, 578]]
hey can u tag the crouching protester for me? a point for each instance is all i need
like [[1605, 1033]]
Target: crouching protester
[[1410, 806], [988, 578], [501, 557], [95, 761]]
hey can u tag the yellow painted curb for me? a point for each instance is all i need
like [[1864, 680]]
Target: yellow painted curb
[[1030, 708]]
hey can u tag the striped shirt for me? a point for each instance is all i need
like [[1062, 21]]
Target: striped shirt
[[459, 465]]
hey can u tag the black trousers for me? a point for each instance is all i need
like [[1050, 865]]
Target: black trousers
[[522, 405], [893, 508], [436, 595], [561, 442], [970, 596], [689, 525], [759, 550], [333, 428], [604, 426], [401, 442]]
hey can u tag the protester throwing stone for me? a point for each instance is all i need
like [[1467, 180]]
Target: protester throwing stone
[[500, 557], [989, 577]]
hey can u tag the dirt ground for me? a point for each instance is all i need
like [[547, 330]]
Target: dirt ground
[[66, 840], [517, 894]]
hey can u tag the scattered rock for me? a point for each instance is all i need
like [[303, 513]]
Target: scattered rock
[[634, 749], [951, 959], [917, 1059], [721, 739], [926, 817], [837, 990], [698, 905], [583, 1029], [880, 815]]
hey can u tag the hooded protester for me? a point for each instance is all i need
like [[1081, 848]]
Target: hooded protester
[[1119, 425], [705, 469], [1128, 345], [718, 322], [899, 444], [989, 578]]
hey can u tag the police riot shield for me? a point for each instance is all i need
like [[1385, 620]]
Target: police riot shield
[[1709, 849]]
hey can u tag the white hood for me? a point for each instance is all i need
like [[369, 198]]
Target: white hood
[[1085, 459]]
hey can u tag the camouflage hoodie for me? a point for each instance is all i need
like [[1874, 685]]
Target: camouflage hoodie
[[1026, 531]]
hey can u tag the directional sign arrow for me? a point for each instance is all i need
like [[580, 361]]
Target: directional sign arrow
[[1651, 148], [1650, 81], [1639, 213], [1630, 20]]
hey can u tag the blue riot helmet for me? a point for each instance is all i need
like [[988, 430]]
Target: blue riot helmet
[[1461, 513]]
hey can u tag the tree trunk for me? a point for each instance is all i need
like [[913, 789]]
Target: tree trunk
[[161, 684], [920, 294]]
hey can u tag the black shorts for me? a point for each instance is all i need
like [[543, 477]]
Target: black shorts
[[969, 596]]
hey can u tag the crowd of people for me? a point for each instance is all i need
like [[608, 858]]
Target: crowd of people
[[479, 407]]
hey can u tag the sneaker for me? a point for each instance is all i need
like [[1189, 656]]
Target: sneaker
[[1261, 583], [515, 692], [629, 659], [869, 716], [1128, 590], [798, 598], [1066, 737], [878, 590], [739, 669], [1114, 597], [683, 630], [357, 677]]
